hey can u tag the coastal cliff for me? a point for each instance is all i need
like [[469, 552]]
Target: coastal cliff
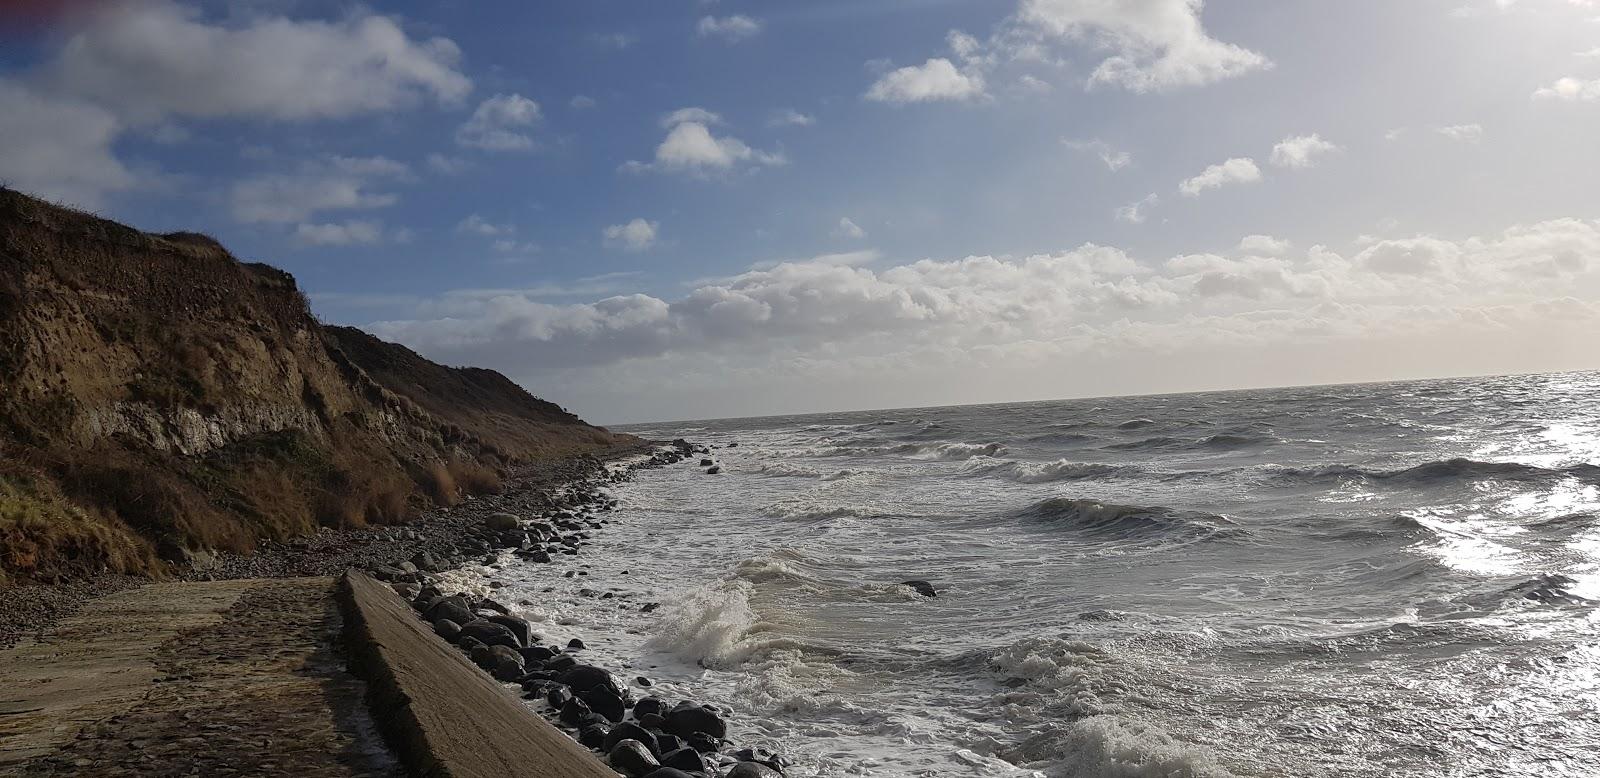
[[161, 400]]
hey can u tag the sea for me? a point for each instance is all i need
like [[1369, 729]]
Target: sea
[[1392, 579]]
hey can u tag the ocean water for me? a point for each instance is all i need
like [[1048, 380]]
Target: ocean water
[[1375, 580]]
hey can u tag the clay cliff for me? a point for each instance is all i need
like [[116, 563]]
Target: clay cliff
[[160, 398]]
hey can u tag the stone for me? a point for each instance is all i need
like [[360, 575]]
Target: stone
[[631, 731], [632, 758], [704, 743], [687, 720], [686, 759], [605, 701], [558, 696], [668, 772], [452, 608], [447, 629], [922, 587], [653, 721], [713, 470], [487, 604], [505, 664], [752, 770], [491, 633], [585, 677], [648, 706], [593, 737], [761, 755], [706, 463], [575, 644], [466, 644], [573, 711], [520, 628], [668, 743], [501, 522]]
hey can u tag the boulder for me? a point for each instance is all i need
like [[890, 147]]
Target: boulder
[[520, 628], [668, 772], [686, 759], [648, 706], [631, 731], [706, 463], [593, 737], [492, 633], [501, 522], [573, 711], [752, 770], [713, 470], [631, 758], [585, 677], [761, 755], [453, 608], [687, 720], [505, 664], [922, 587], [605, 701], [558, 696], [575, 644], [447, 629], [427, 562]]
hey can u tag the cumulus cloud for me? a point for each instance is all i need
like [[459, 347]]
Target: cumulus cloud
[[582, 102], [1114, 160], [1136, 212], [350, 233], [1084, 298], [325, 184], [848, 229], [789, 117], [690, 147], [636, 235], [1239, 170], [1155, 45], [935, 80], [58, 148], [733, 28], [1570, 90], [1263, 245], [149, 60], [1301, 151], [477, 225], [500, 123]]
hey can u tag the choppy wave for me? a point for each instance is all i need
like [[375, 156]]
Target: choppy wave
[[1458, 469], [1046, 472], [1220, 441], [1130, 522], [950, 451]]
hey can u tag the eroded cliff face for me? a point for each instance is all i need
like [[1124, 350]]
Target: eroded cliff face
[[175, 398]]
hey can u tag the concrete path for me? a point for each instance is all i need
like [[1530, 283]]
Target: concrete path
[[226, 678]]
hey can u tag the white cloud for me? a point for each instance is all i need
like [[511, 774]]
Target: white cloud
[[1466, 133], [1114, 160], [789, 117], [58, 148], [1263, 245], [934, 80], [636, 235], [690, 147], [477, 225], [446, 165], [1239, 170], [1155, 45], [153, 59], [500, 123], [1571, 90], [729, 28], [326, 184], [582, 102], [1137, 212], [1301, 151], [848, 229], [348, 233]]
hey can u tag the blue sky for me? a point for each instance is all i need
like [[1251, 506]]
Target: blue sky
[[681, 208]]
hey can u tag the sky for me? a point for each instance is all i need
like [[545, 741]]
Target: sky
[[678, 209]]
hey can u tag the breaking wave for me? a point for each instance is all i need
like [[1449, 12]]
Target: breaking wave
[[1130, 522]]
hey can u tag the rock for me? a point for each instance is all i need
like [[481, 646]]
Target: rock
[[447, 629], [427, 562], [687, 720], [540, 557], [631, 758], [501, 522], [605, 701], [752, 770], [558, 696], [575, 643], [452, 608], [593, 737], [505, 664], [706, 463], [487, 604], [922, 587], [466, 644], [643, 681], [538, 653], [482, 656], [686, 759], [389, 573], [585, 677], [561, 662], [648, 706], [733, 445], [491, 633], [713, 470], [703, 743], [573, 711], [653, 721], [631, 731], [668, 772], [762, 756], [668, 743], [520, 628]]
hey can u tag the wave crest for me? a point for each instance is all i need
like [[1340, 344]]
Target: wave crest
[[1131, 522]]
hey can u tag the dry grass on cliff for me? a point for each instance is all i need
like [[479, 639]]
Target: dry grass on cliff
[[45, 537]]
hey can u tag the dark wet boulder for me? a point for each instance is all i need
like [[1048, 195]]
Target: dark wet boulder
[[686, 759], [668, 772], [761, 755], [506, 664], [466, 643], [452, 608], [922, 587], [520, 628], [482, 656], [703, 743], [558, 696], [541, 557], [593, 737], [752, 770], [653, 721], [632, 758], [585, 677], [576, 644], [560, 663], [648, 706], [538, 653], [713, 470], [447, 629], [573, 711], [428, 563], [667, 742], [631, 731], [490, 633], [706, 463], [687, 720], [487, 604], [605, 701]]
